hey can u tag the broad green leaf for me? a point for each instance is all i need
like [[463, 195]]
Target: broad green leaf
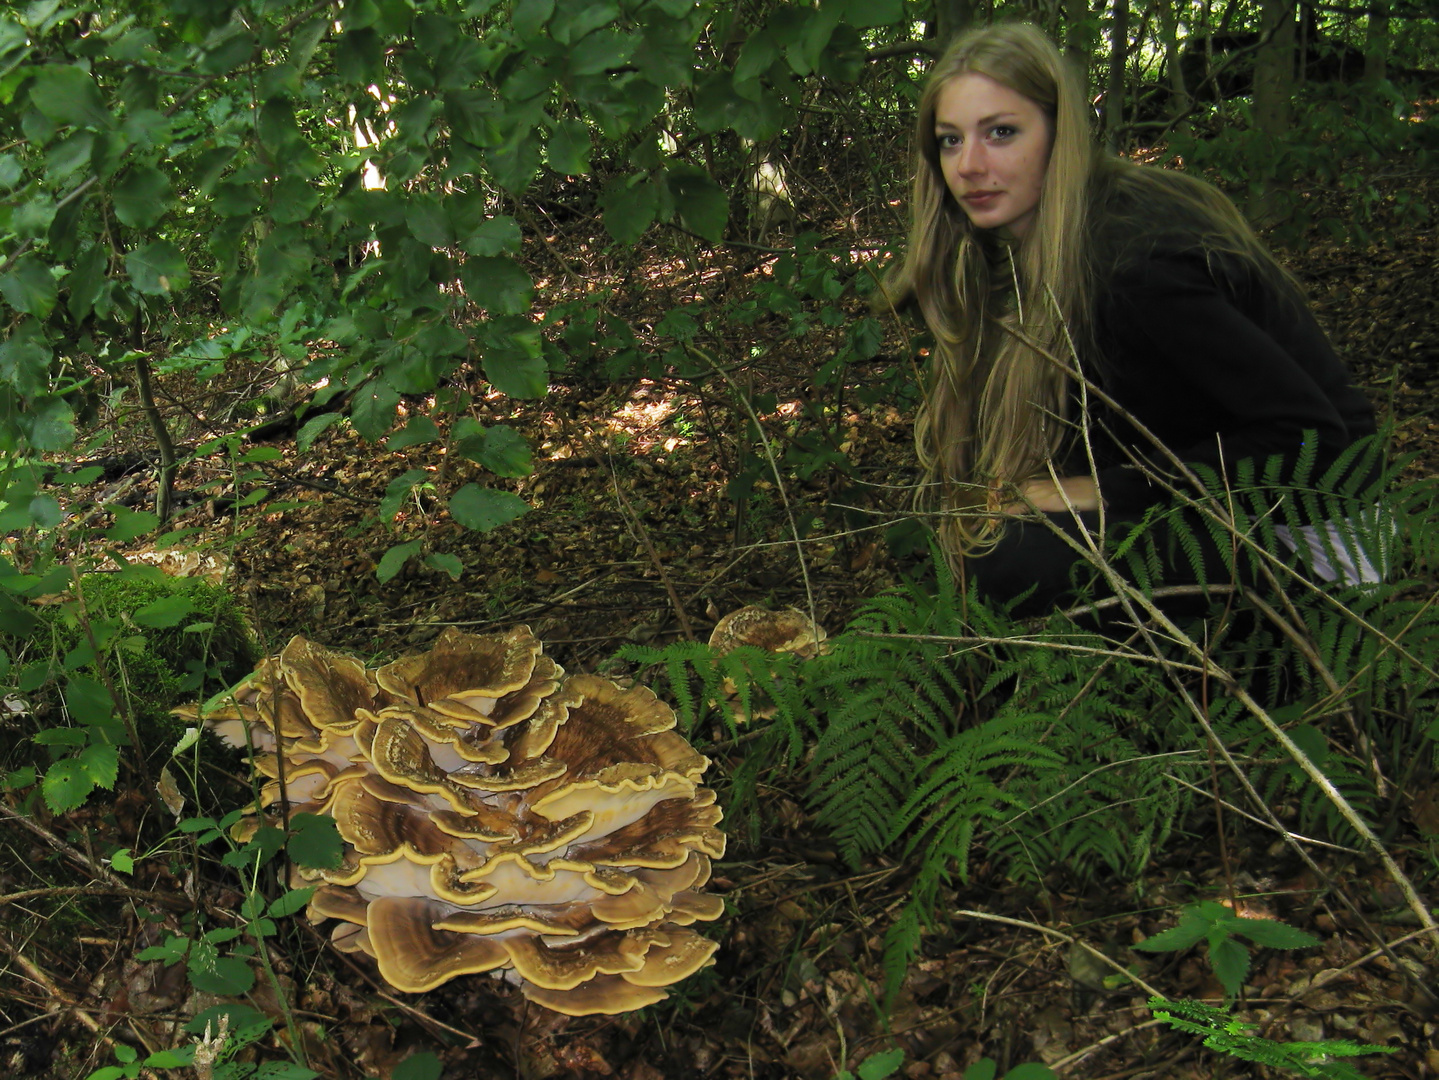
[[290, 902], [310, 430], [64, 736], [50, 424], [417, 431], [428, 221], [530, 17], [25, 361], [1273, 934], [421, 1066], [142, 196], [1030, 1070], [283, 1070], [573, 21], [983, 1069], [502, 450], [157, 268], [163, 613], [702, 204], [66, 787], [568, 149], [86, 280], [446, 563], [68, 155], [293, 199], [515, 161], [396, 492], [228, 976], [483, 509], [171, 1059], [240, 1017], [66, 94], [601, 51], [225, 49], [883, 1064], [497, 283], [23, 777], [865, 14], [360, 56], [87, 700], [29, 287], [499, 234], [630, 205], [513, 358], [393, 560], [123, 862], [373, 409], [130, 524], [11, 171], [45, 511], [33, 218], [315, 842]]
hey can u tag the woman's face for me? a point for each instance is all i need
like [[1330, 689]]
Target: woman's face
[[993, 150]]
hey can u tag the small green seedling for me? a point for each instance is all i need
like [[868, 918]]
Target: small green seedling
[[1217, 924]]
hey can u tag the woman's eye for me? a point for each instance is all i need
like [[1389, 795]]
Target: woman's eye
[[1001, 132], [948, 142]]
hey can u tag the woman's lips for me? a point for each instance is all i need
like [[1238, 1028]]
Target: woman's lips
[[981, 198]]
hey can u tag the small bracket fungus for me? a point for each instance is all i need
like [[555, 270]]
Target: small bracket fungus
[[787, 631], [496, 817]]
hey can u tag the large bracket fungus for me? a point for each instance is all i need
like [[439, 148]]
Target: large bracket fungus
[[497, 817]]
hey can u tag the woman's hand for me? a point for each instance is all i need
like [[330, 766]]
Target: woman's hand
[[1079, 492]]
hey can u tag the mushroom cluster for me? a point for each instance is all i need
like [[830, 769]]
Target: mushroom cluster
[[496, 815]]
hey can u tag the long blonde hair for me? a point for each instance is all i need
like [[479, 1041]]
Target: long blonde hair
[[995, 408]]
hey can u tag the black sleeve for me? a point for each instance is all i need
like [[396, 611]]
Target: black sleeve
[[1217, 371]]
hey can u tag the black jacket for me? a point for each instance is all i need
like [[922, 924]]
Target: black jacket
[[1216, 362]]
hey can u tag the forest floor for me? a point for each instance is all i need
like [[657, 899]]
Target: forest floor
[[635, 536]]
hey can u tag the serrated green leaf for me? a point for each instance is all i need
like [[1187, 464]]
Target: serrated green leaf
[[393, 560], [421, 1066], [66, 786], [23, 777], [101, 763], [142, 196], [157, 268], [163, 613], [315, 842], [1190, 930], [1273, 934], [61, 736], [1230, 961], [483, 509], [373, 409], [25, 361]]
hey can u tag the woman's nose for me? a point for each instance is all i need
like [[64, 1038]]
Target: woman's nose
[[970, 159]]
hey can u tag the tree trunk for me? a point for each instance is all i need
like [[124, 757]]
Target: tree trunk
[[1118, 55], [1078, 38], [1274, 68], [1273, 97], [1169, 27], [951, 18], [1376, 42]]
